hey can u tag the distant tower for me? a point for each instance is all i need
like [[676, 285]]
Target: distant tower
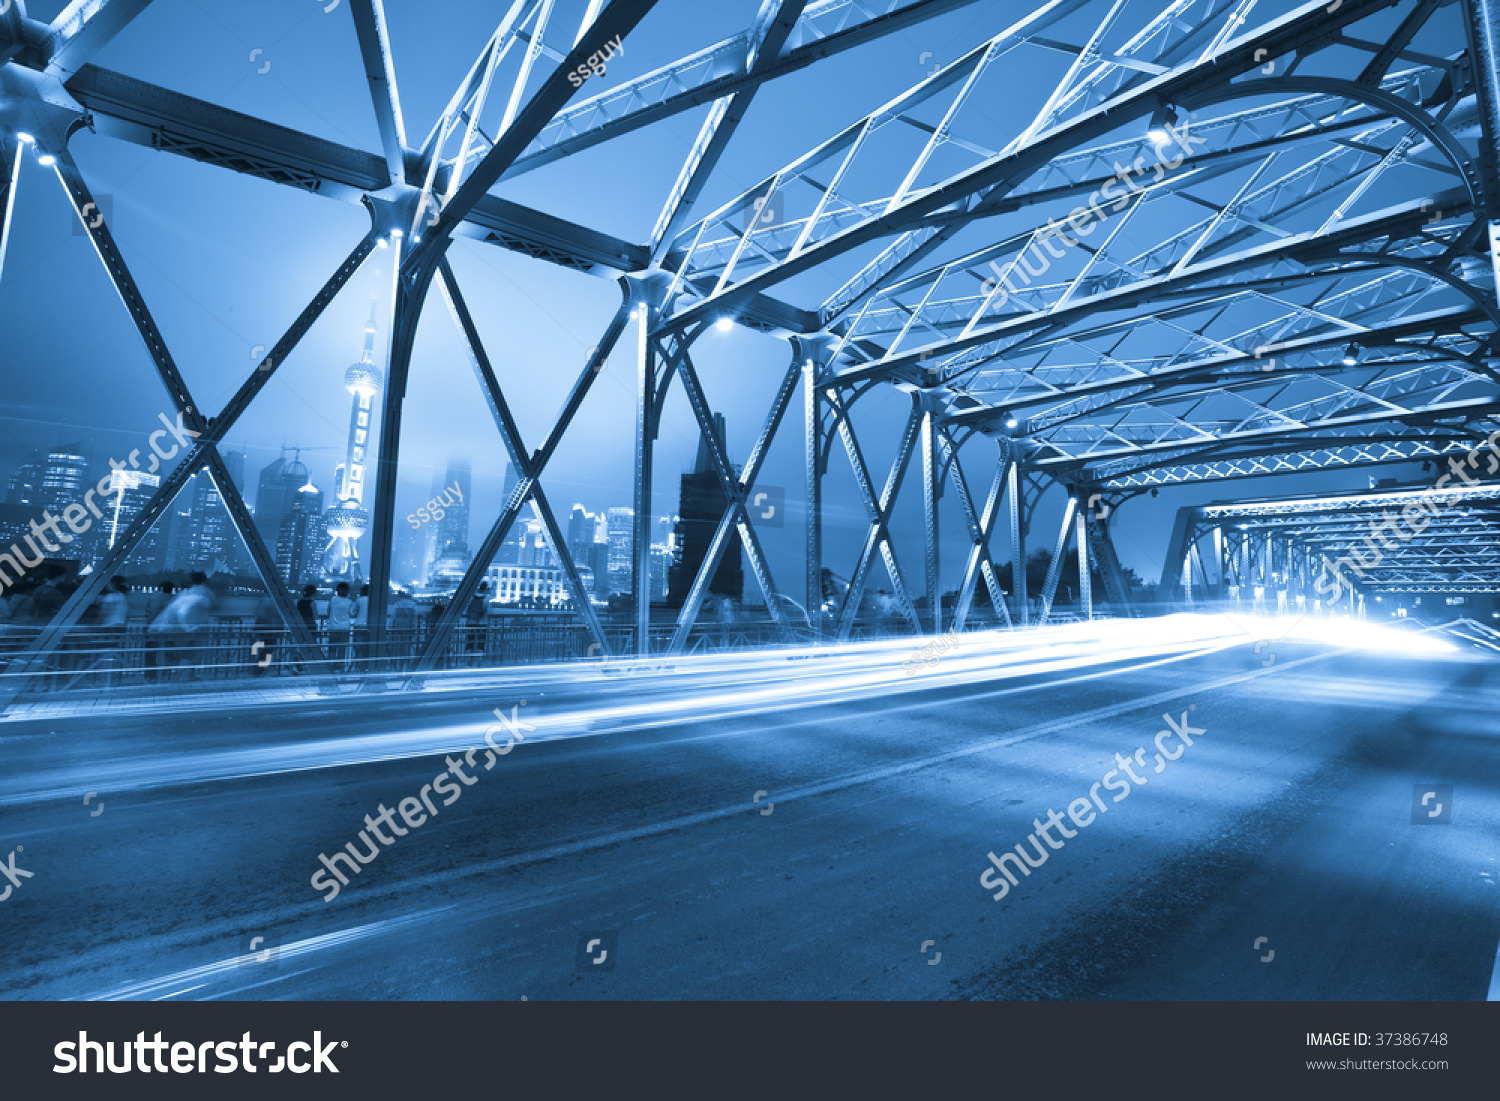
[[347, 520]]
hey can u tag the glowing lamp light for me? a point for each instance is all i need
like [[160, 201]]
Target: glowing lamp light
[[724, 324], [23, 137], [1161, 119], [1351, 355], [383, 243], [46, 160]]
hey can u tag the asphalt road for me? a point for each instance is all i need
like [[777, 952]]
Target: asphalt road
[[819, 851]]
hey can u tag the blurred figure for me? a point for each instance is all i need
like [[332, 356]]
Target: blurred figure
[[434, 616], [23, 602], [477, 617], [158, 642], [267, 634], [114, 611], [198, 603], [403, 625], [184, 622], [48, 598]]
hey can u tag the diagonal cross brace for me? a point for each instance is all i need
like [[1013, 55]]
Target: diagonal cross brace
[[879, 536], [736, 514], [529, 468], [981, 526]]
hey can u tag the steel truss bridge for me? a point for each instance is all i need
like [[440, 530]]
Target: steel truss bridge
[[1298, 551], [1323, 296]]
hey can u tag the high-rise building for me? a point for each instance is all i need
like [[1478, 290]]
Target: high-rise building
[[347, 520], [299, 545], [453, 528], [700, 508], [661, 569], [64, 476], [25, 485], [211, 542], [130, 490], [581, 527], [408, 564], [277, 488], [621, 540], [239, 560], [535, 551]]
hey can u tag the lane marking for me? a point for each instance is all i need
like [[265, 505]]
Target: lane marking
[[208, 972]]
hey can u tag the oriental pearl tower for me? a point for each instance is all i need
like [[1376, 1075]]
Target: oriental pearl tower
[[347, 520]]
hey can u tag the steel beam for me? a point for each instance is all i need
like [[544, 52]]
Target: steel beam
[[380, 71], [932, 490], [1059, 552], [813, 467], [981, 526], [83, 29], [1085, 578], [1017, 543]]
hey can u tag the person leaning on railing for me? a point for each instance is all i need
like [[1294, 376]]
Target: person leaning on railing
[[340, 625]]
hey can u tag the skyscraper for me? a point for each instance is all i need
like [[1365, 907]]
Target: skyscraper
[[211, 539], [347, 520], [621, 540], [239, 560], [63, 479], [129, 492], [274, 494], [700, 508], [535, 550], [581, 527], [453, 528], [25, 486], [299, 545]]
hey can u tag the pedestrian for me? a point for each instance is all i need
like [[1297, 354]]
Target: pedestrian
[[340, 625], [157, 640], [183, 623], [362, 628], [434, 617], [403, 624], [48, 598], [307, 608], [477, 617], [267, 634], [198, 601], [114, 607]]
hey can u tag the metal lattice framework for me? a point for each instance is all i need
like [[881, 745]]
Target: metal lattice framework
[[1440, 538], [1235, 240]]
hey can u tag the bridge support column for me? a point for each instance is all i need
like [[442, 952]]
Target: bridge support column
[[1483, 25]]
